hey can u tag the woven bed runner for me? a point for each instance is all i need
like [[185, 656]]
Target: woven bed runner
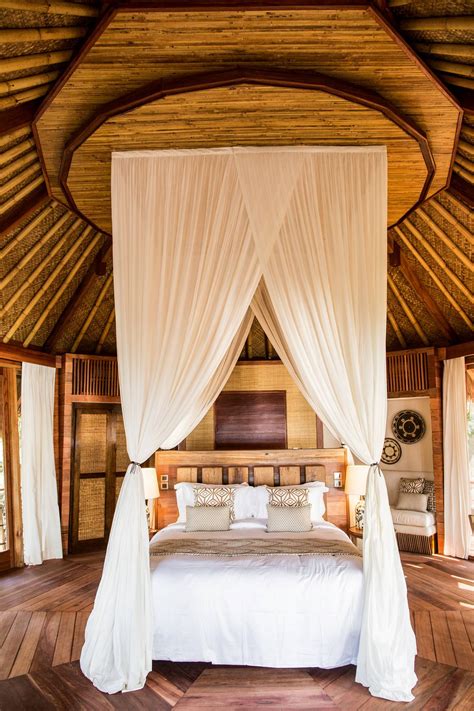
[[225, 548]]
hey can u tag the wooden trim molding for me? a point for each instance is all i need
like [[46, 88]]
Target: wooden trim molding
[[241, 75]]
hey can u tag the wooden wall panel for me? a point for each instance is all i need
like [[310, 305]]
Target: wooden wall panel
[[250, 420], [436, 407]]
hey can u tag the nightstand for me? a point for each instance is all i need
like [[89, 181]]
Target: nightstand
[[355, 534]]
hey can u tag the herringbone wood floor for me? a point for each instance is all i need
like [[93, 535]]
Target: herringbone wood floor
[[43, 612]]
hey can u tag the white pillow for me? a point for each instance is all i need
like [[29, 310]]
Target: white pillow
[[316, 489], [244, 498]]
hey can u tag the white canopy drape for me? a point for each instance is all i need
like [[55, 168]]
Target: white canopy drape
[[457, 528], [193, 233], [39, 493]]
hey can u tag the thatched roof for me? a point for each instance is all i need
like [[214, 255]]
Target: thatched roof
[[57, 269]]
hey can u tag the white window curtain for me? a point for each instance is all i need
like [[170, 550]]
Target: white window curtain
[[457, 528], [323, 306], [185, 271], [39, 494]]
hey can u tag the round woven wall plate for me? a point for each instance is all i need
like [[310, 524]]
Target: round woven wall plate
[[391, 452], [408, 426]]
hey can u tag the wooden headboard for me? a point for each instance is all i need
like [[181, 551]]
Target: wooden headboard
[[279, 467]]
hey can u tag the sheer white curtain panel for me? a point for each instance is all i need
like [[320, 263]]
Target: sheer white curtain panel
[[457, 528], [323, 305], [185, 271], [39, 493]]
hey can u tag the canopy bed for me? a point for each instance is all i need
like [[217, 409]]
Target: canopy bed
[[203, 239]]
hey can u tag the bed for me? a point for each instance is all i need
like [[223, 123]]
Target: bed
[[248, 597]]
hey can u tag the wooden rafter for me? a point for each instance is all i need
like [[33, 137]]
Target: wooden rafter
[[26, 230], [16, 121], [22, 97], [437, 259], [11, 86], [28, 355], [71, 274], [76, 299], [434, 277], [37, 246], [44, 263], [32, 61], [449, 217], [466, 51], [445, 238], [51, 7], [41, 34], [407, 310], [18, 149], [19, 178], [396, 328], [22, 162], [92, 313], [24, 203], [106, 330]]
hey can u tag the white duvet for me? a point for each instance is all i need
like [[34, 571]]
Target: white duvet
[[272, 611]]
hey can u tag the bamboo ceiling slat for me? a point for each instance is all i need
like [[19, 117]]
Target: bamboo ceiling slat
[[16, 150], [21, 162], [463, 82], [449, 217], [41, 34], [435, 278], [7, 102], [106, 330], [37, 246], [466, 174], [13, 85], [466, 147], [26, 230], [437, 259], [51, 6], [29, 281], [396, 328], [444, 237], [55, 298], [32, 61], [20, 195], [434, 24], [466, 51], [468, 132], [14, 135], [465, 163], [92, 313], [453, 67], [407, 310], [19, 178]]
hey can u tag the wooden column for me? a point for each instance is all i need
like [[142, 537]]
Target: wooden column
[[436, 408], [13, 457]]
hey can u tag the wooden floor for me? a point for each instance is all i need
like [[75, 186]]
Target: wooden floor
[[43, 612]]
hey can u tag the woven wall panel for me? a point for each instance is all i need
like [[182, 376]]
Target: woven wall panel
[[118, 486], [122, 460], [91, 509], [93, 441]]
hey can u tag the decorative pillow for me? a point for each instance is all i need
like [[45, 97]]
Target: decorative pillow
[[282, 496], [411, 486], [245, 503], [294, 519], [315, 489], [207, 518], [412, 502], [430, 491], [215, 496]]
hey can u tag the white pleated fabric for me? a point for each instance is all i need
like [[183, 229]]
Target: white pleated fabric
[[457, 528], [185, 271], [323, 306], [39, 493]]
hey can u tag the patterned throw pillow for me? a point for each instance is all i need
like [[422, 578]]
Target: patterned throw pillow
[[294, 519], [429, 489], [217, 496], [411, 486], [282, 496], [207, 518]]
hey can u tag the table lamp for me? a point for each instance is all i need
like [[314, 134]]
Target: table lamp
[[356, 482], [150, 487]]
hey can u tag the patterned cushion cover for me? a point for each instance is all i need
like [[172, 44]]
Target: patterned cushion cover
[[207, 518], [216, 496], [412, 502], [411, 486], [429, 490], [294, 519], [284, 496]]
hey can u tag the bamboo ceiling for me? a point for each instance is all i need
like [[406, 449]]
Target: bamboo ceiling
[[56, 269]]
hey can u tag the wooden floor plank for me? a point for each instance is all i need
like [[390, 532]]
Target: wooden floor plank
[[442, 639], [6, 620], [12, 643], [28, 646], [468, 619], [424, 635], [78, 638], [460, 640], [43, 658], [62, 651]]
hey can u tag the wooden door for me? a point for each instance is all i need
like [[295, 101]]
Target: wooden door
[[99, 464]]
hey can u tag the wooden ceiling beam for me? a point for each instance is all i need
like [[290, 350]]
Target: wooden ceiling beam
[[51, 7], [407, 310], [396, 328], [459, 350], [21, 209], [431, 306], [92, 313], [70, 276], [105, 332], [18, 354], [76, 299], [435, 278]]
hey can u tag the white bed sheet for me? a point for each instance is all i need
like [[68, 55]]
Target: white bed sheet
[[271, 611]]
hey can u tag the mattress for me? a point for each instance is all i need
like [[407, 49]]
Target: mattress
[[283, 610]]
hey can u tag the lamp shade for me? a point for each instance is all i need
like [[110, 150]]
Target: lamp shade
[[150, 483], [356, 479]]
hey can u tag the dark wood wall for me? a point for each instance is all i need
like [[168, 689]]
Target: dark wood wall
[[251, 420]]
